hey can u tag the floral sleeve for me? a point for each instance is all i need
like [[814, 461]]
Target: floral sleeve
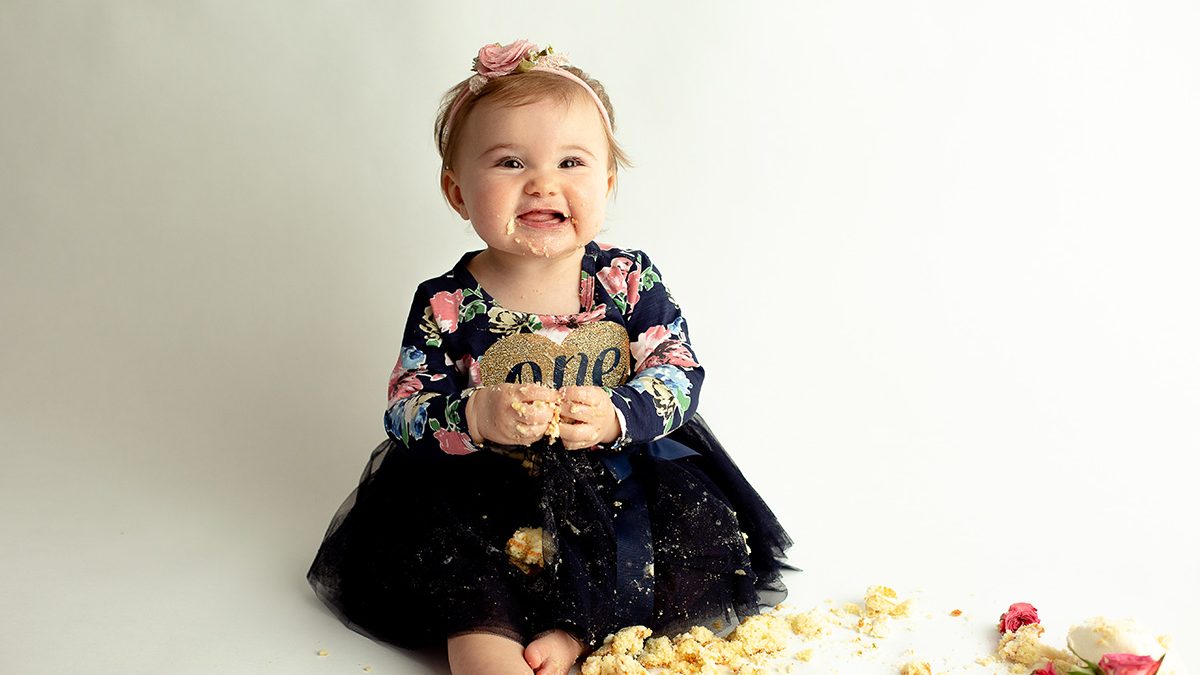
[[664, 388], [428, 390]]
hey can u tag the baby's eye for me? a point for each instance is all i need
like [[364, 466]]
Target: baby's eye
[[570, 163], [511, 163]]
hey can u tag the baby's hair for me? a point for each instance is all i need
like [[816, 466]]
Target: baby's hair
[[520, 89]]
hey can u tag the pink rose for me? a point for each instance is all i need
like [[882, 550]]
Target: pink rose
[[468, 366], [453, 442], [669, 353], [587, 293], [633, 288], [647, 341], [446, 306], [496, 59], [1129, 664], [612, 278], [1047, 669], [402, 384], [1018, 614]]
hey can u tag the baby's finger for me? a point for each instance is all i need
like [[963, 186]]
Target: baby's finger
[[538, 412], [527, 434], [536, 392], [577, 412], [577, 436], [586, 395]]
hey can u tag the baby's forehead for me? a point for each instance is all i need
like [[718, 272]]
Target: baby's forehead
[[548, 119]]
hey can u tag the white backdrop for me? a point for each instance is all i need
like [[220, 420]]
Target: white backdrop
[[939, 259]]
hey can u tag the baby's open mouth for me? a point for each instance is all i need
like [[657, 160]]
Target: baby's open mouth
[[542, 218]]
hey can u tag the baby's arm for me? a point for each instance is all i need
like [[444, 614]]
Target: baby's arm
[[664, 389], [428, 390]]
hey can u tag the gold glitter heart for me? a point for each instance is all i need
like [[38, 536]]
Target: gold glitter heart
[[595, 354]]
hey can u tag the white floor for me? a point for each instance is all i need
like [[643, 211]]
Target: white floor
[[123, 564]]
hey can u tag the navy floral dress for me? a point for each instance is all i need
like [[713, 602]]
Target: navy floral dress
[[659, 528]]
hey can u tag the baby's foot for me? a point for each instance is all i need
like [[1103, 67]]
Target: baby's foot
[[553, 653]]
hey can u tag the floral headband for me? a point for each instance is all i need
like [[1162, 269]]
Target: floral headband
[[496, 60]]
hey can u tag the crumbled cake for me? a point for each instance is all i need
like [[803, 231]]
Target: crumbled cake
[[552, 429], [696, 651], [882, 600], [524, 549], [612, 664], [1022, 646], [880, 605], [762, 633], [1022, 650], [808, 625]]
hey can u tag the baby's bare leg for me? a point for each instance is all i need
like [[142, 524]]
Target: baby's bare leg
[[485, 654], [553, 653]]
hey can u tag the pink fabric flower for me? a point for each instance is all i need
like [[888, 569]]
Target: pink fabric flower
[[469, 367], [446, 307], [612, 278], [633, 284], [1128, 664], [647, 341], [656, 347], [453, 442], [1018, 614], [1047, 669], [587, 293], [496, 59], [402, 384]]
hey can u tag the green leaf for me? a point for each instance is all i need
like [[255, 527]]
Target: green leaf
[[619, 301], [649, 278], [433, 424], [470, 311]]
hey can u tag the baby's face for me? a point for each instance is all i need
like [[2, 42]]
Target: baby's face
[[534, 179]]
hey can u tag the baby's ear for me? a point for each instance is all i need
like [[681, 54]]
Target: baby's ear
[[612, 182], [453, 194]]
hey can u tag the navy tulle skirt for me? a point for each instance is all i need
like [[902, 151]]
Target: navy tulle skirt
[[668, 535]]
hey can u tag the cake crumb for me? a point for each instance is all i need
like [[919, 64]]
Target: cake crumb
[[956, 612], [1022, 649], [881, 600], [804, 655], [807, 625], [322, 652], [524, 549]]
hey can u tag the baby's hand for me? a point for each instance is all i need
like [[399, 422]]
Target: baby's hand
[[587, 417], [511, 414]]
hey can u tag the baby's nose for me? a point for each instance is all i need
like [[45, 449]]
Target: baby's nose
[[542, 184]]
